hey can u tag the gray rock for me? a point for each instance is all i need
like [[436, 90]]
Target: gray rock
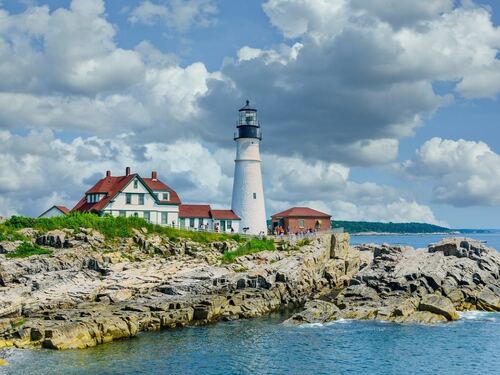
[[439, 305], [316, 311]]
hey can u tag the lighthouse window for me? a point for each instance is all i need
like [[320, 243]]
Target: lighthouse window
[[254, 195]]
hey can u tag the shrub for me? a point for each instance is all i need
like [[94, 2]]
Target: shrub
[[27, 249], [253, 246]]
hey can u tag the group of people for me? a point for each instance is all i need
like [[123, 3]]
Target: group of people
[[205, 227], [281, 231]]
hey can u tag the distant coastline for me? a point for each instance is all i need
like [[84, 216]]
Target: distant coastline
[[367, 228]]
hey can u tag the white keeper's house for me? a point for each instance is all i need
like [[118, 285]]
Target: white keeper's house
[[153, 200]]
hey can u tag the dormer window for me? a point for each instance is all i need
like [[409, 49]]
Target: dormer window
[[166, 196], [93, 198], [136, 184]]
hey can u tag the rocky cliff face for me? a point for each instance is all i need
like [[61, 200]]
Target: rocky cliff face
[[405, 285], [88, 293]]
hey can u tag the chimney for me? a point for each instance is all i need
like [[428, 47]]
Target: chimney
[[154, 175], [108, 173], [127, 171]]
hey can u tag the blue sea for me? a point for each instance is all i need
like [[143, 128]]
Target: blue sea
[[470, 345]]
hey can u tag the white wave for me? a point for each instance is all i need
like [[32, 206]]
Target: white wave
[[479, 315]]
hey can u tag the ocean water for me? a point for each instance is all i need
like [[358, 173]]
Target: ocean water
[[265, 346], [422, 240]]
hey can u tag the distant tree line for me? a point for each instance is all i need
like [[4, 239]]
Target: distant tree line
[[365, 226]]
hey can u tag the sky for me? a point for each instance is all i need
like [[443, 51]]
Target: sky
[[381, 110]]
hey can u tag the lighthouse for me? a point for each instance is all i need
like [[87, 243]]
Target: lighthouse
[[248, 191]]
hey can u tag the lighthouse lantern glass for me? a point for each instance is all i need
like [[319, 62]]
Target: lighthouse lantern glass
[[248, 118]]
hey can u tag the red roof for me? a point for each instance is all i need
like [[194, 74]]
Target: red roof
[[157, 185], [112, 185], [301, 212], [224, 215], [194, 211], [205, 211], [63, 209]]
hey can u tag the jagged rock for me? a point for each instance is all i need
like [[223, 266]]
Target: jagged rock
[[28, 232], [7, 247], [438, 305], [340, 246], [81, 297], [54, 238], [84, 296], [315, 312], [488, 300]]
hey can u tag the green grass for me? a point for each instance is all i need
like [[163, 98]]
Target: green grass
[[111, 227], [10, 234], [253, 246], [303, 242], [18, 324], [27, 249]]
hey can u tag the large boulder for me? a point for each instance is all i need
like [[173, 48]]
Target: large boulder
[[7, 247], [488, 300], [315, 312], [439, 305], [339, 246]]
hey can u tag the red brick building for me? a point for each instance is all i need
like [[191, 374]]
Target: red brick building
[[299, 219]]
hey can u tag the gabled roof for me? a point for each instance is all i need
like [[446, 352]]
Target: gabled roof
[[65, 210], [224, 215], [110, 186], [62, 209], [301, 212], [157, 185], [194, 211]]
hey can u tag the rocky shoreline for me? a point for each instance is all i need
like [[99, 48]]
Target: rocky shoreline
[[90, 292], [404, 285]]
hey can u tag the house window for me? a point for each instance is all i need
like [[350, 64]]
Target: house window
[[165, 196], [147, 216], [136, 184], [182, 223], [191, 222], [123, 213], [141, 198], [301, 223], [229, 224], [254, 195], [128, 198], [164, 218], [136, 214]]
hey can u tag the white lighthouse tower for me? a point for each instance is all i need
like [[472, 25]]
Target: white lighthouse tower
[[248, 192]]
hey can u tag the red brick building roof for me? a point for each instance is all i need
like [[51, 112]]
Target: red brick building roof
[[110, 186], [301, 212]]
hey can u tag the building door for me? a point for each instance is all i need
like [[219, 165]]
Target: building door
[[223, 226], [182, 223]]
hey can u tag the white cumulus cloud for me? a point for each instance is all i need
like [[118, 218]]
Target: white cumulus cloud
[[464, 173]]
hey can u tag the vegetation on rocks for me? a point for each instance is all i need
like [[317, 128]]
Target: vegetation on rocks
[[111, 227], [27, 249], [253, 246]]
